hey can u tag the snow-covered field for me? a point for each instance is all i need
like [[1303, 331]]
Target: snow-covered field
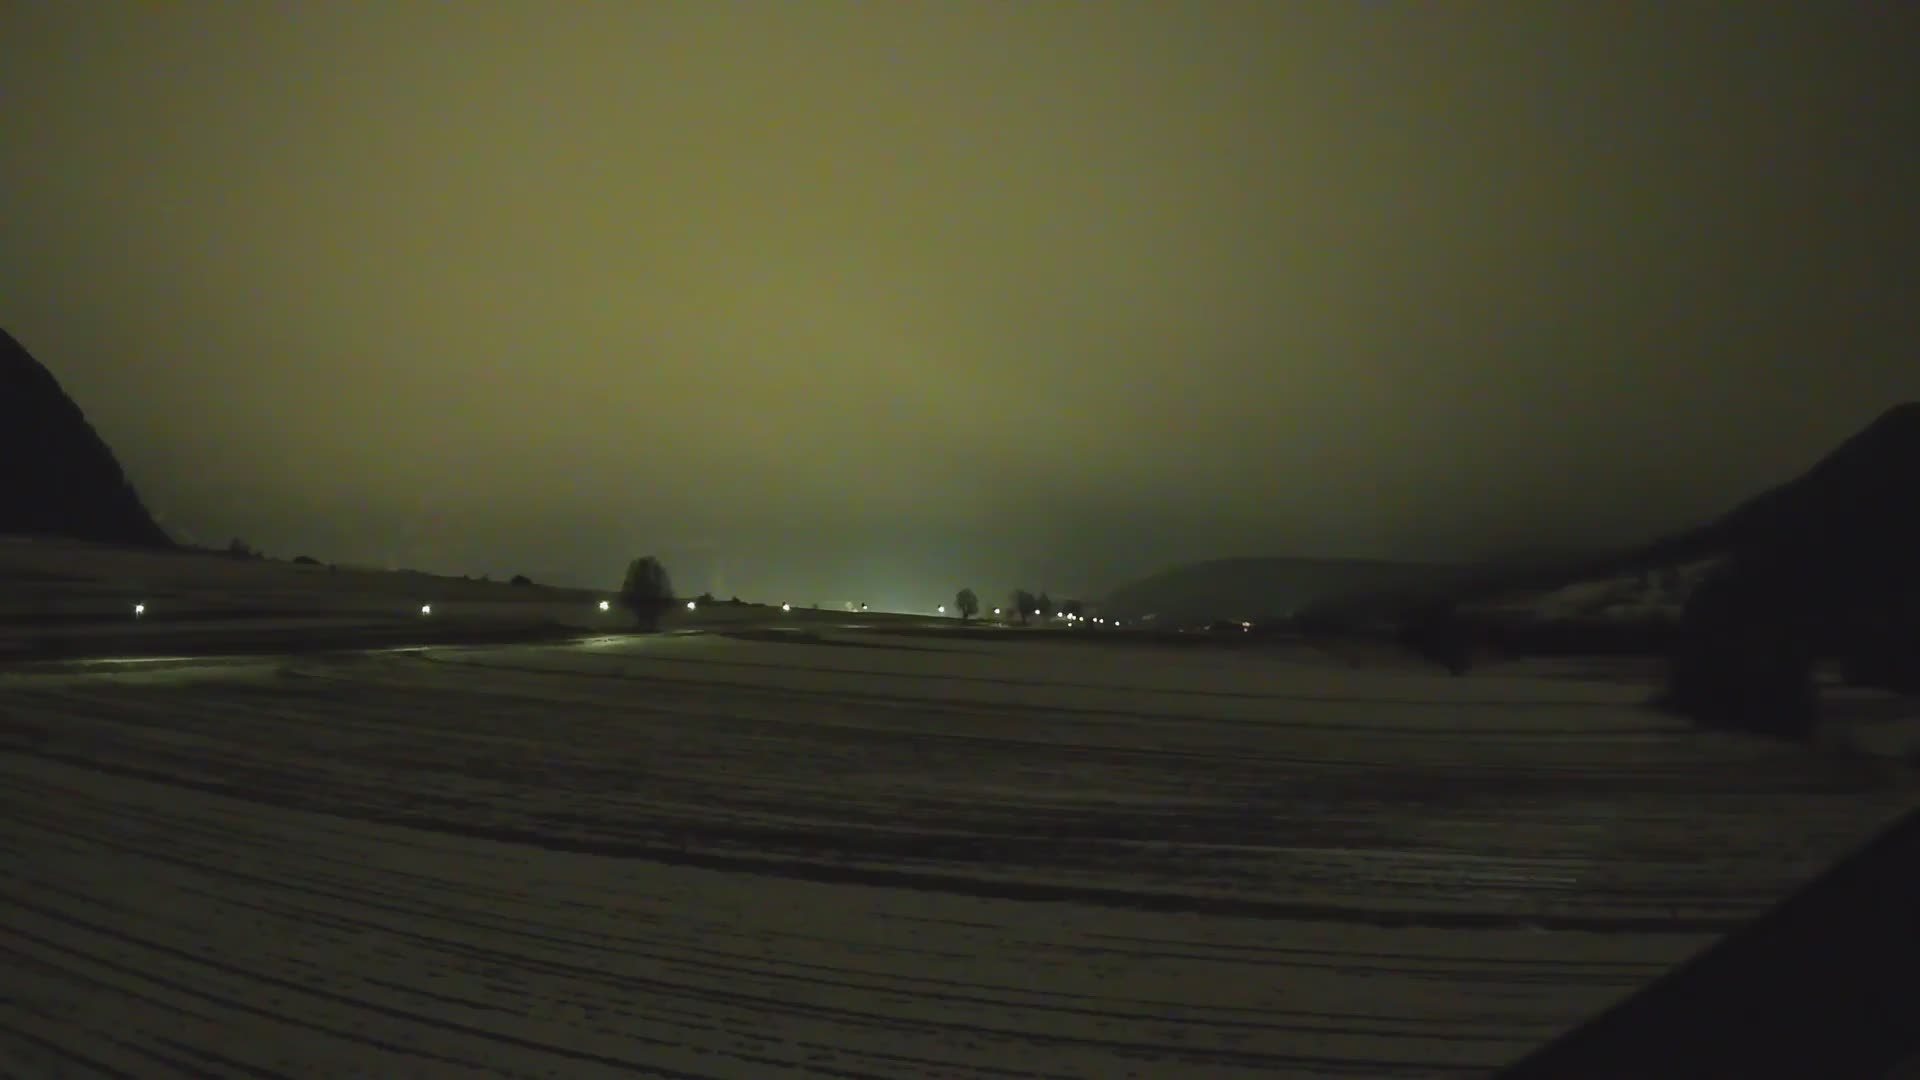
[[863, 856]]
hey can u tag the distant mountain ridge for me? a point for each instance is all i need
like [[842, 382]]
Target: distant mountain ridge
[[1253, 588], [1862, 499], [1858, 506], [57, 476]]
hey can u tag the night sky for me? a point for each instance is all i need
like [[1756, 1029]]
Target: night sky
[[827, 301]]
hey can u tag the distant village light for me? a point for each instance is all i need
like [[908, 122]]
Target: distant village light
[[139, 610], [604, 606], [426, 609], [689, 605]]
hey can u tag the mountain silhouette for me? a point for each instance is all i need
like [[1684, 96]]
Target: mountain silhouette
[[1856, 511], [1860, 501], [57, 477]]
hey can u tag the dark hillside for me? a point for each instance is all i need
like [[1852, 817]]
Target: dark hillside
[[57, 477]]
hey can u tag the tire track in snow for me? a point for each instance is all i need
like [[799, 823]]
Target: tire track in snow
[[1002, 888], [760, 1006], [686, 830]]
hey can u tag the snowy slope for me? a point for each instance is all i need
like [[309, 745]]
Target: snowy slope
[[1622, 597]]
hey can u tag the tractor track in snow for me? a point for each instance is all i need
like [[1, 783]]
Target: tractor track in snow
[[715, 858]]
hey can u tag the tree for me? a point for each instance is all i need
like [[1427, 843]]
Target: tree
[[1024, 604], [968, 604], [647, 592], [1744, 660], [1439, 634], [1072, 607], [1046, 606]]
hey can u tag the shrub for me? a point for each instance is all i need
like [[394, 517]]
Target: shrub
[[1744, 658], [1438, 634]]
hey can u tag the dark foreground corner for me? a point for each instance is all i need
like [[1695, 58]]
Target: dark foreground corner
[[1827, 985]]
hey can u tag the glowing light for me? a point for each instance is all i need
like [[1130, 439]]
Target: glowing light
[[604, 606], [996, 611], [426, 609], [786, 607], [943, 609], [690, 605], [139, 610]]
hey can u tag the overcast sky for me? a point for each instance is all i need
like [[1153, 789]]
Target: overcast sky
[[865, 300]]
